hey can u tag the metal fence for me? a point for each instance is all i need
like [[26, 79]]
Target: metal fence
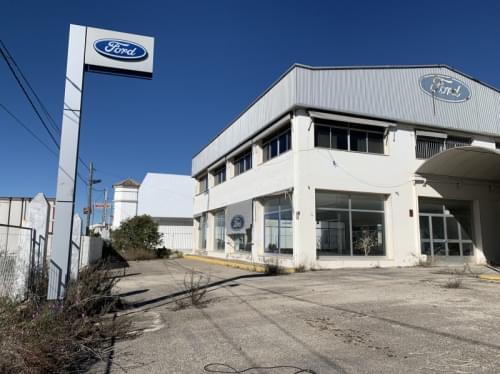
[[22, 255]]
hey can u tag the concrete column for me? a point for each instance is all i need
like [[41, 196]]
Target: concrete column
[[304, 210], [258, 230], [210, 232]]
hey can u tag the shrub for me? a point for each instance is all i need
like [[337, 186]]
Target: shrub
[[137, 238], [39, 336], [195, 289]]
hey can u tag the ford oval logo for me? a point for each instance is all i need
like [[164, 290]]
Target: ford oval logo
[[237, 222], [445, 88], [120, 49]]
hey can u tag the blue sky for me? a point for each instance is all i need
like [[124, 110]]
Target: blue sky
[[212, 58]]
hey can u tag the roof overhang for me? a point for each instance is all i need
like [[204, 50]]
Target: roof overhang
[[468, 162]]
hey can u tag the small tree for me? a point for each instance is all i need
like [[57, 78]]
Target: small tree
[[139, 233]]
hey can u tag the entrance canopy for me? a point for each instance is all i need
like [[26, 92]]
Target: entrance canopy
[[464, 162]]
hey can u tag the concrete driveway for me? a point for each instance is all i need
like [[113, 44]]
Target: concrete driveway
[[338, 321]]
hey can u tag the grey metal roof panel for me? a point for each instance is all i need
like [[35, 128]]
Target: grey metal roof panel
[[385, 92]]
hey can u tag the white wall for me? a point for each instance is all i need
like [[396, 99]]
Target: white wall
[[306, 169], [125, 204]]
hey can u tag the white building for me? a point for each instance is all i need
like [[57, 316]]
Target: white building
[[167, 198], [355, 167]]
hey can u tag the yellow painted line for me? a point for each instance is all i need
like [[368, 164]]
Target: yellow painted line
[[259, 268], [490, 277]]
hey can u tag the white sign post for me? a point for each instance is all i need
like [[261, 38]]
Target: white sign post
[[89, 49]]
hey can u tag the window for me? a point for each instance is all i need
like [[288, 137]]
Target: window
[[203, 184], [278, 144], [428, 146], [220, 175], [349, 137], [220, 230], [278, 234], [445, 227], [243, 242], [203, 231], [242, 162], [349, 224]]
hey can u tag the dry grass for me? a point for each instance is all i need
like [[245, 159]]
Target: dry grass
[[38, 336], [195, 287]]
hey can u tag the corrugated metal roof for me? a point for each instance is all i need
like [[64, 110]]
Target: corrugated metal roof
[[385, 92]]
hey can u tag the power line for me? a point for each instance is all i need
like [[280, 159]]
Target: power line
[[8, 58], [11, 62], [36, 137]]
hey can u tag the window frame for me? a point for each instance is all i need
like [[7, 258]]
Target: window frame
[[279, 226], [220, 175], [222, 228], [349, 210], [348, 127], [246, 158], [266, 143], [444, 143], [203, 184]]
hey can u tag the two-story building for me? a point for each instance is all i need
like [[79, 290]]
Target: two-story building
[[352, 167]]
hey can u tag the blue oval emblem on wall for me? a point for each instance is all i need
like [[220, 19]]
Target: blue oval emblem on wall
[[445, 88], [237, 222], [120, 49]]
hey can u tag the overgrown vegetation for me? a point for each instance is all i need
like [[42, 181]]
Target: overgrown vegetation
[[272, 267], [138, 239], [195, 287], [40, 336]]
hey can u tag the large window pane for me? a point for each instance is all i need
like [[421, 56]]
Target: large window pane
[[332, 200], [367, 202], [334, 224], [220, 230], [322, 136], [438, 228], [467, 249], [376, 142], [278, 223], [368, 233], [439, 248], [430, 206], [339, 138], [451, 228], [453, 249], [332, 233], [358, 141], [424, 227], [426, 248]]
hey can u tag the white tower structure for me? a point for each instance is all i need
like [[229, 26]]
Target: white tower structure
[[125, 201]]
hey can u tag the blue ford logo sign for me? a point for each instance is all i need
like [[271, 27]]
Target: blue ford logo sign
[[120, 49], [237, 222], [445, 88]]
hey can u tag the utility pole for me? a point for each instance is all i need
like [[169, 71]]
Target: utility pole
[[105, 212], [91, 183]]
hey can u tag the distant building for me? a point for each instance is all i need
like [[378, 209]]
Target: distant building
[[167, 198]]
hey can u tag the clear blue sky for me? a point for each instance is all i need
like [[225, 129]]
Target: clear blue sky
[[212, 58]]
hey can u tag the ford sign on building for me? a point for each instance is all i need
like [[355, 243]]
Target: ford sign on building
[[355, 167], [119, 53]]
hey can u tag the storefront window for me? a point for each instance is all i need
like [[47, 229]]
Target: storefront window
[[445, 227], [278, 234], [220, 230], [350, 224]]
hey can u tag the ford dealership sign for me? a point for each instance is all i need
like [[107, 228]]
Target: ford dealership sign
[[120, 49], [445, 88], [237, 222]]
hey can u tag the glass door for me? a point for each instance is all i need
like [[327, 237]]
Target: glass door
[[445, 227]]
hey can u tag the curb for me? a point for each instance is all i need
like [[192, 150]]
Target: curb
[[490, 277], [258, 268]]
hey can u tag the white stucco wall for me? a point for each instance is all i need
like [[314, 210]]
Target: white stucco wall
[[306, 169], [124, 204]]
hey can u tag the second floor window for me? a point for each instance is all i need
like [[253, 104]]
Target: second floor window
[[203, 184], [220, 175], [243, 163], [277, 144], [428, 146], [344, 136]]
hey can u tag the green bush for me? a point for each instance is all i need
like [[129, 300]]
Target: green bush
[[137, 238]]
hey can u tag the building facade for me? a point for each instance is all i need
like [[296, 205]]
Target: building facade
[[167, 198], [355, 167]]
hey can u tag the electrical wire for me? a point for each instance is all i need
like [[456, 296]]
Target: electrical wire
[[223, 368], [37, 138]]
